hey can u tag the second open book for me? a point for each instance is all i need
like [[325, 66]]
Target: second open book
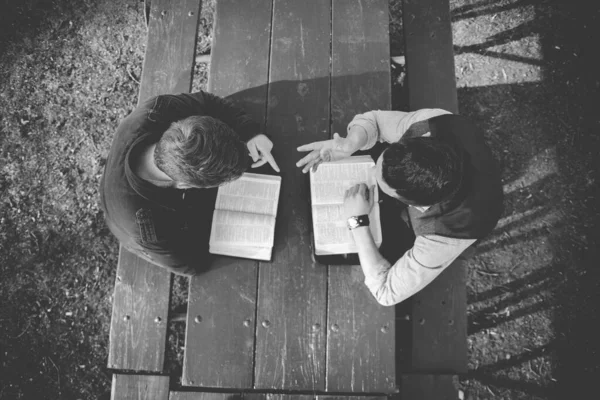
[[327, 188]]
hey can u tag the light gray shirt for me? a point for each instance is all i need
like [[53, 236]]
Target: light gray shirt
[[430, 254]]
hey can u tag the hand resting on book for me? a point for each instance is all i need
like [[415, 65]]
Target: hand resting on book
[[358, 200]]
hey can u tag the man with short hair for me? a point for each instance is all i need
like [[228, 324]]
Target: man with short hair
[[444, 182], [166, 161]]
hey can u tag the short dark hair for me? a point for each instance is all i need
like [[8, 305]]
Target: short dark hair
[[423, 171], [201, 151]]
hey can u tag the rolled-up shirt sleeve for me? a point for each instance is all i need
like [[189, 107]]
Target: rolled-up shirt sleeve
[[420, 265], [390, 126]]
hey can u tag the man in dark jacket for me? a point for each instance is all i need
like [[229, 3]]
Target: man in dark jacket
[[167, 158], [438, 169]]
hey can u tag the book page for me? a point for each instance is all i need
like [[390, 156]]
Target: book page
[[253, 193], [328, 186], [257, 253], [242, 229], [331, 232], [331, 180]]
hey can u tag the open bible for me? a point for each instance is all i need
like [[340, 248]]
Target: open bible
[[244, 219], [327, 188]]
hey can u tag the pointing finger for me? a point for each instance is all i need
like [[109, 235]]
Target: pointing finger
[[253, 152], [259, 163], [269, 157]]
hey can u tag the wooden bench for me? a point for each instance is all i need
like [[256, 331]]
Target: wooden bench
[[303, 69]]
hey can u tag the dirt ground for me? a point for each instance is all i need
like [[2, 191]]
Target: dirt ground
[[526, 71]]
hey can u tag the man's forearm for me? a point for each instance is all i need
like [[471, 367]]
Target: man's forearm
[[357, 136], [373, 264]]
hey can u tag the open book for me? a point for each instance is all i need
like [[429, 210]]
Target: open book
[[244, 219], [327, 188]]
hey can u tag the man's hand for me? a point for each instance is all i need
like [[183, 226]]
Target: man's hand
[[260, 150], [327, 150], [358, 200]]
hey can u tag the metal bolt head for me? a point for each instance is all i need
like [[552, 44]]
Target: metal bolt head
[[385, 328], [335, 327], [126, 318], [266, 323], [198, 319], [163, 13], [407, 317], [422, 321], [191, 14], [316, 327], [247, 323], [157, 319]]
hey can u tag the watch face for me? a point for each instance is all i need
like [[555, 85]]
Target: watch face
[[352, 222], [359, 220]]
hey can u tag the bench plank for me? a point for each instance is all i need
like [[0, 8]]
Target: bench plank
[[140, 309], [328, 397], [264, 396], [429, 54], [169, 58], [426, 387], [361, 340], [139, 387], [219, 348], [290, 343], [142, 289], [439, 311], [204, 396]]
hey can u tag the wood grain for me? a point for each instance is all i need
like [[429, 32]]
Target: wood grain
[[361, 336], [141, 296], [439, 311], [139, 387], [290, 338], [204, 396], [426, 387], [222, 303], [139, 315]]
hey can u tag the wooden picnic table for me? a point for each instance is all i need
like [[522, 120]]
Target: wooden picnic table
[[293, 327]]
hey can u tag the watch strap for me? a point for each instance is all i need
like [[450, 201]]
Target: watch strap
[[358, 221]]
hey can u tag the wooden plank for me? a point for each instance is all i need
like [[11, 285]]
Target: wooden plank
[[239, 64], [142, 293], [219, 341], [139, 315], [361, 339], [426, 387], [429, 54], [439, 329], [272, 396], [290, 338], [219, 348], [169, 59], [139, 387], [328, 397], [204, 396], [439, 311]]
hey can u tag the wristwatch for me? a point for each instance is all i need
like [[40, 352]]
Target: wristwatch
[[359, 220]]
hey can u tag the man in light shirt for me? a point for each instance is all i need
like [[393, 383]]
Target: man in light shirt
[[439, 168]]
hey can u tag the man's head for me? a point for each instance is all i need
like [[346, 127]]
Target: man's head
[[420, 171], [201, 152]]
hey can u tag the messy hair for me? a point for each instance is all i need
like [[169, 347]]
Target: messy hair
[[201, 151], [423, 171]]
